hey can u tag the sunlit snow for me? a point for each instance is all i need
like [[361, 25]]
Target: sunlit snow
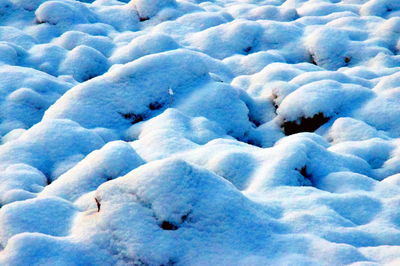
[[191, 132]]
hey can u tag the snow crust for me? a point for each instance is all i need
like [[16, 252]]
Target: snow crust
[[191, 132]]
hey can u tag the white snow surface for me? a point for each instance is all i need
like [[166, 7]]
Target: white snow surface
[[195, 132]]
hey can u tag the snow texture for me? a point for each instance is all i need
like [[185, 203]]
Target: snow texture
[[191, 132]]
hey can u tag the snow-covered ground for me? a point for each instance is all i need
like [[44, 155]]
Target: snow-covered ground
[[190, 132]]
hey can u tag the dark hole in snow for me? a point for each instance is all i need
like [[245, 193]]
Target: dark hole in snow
[[274, 99], [44, 21], [307, 124], [184, 217], [88, 77], [155, 106], [253, 142], [247, 49], [133, 118], [169, 263], [312, 60], [141, 19], [248, 140], [308, 181], [303, 172], [254, 121], [138, 262], [39, 21], [165, 225], [389, 9], [48, 179], [347, 59]]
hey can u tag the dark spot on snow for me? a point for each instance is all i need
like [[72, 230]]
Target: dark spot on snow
[[44, 21], [307, 176], [247, 49], [39, 21], [312, 59], [133, 118], [48, 179], [229, 132], [389, 9], [254, 143], [169, 263], [137, 262], [274, 98], [248, 140], [184, 217], [347, 59], [155, 106], [141, 19], [3, 9], [97, 204], [306, 124], [165, 225], [255, 122], [88, 77]]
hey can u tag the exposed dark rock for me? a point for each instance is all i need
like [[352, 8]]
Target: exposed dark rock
[[141, 19], [155, 106], [247, 49], [98, 204], [307, 176], [306, 124], [165, 225], [133, 118]]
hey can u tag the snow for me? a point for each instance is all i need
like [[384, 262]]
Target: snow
[[191, 132], [143, 45], [114, 159], [84, 63]]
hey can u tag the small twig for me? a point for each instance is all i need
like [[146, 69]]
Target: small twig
[[170, 96], [98, 204]]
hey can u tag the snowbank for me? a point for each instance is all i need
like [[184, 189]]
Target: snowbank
[[185, 132]]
